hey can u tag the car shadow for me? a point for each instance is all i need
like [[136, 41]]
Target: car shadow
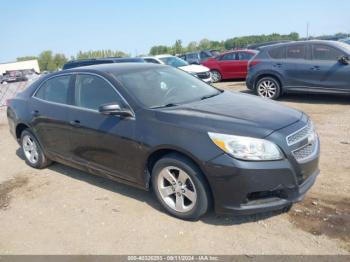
[[148, 197], [336, 99]]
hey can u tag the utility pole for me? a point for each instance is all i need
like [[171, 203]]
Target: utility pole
[[307, 30]]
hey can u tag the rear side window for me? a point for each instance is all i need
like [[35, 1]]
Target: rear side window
[[230, 56], [278, 53], [55, 90], [296, 52], [244, 56], [93, 91], [324, 52], [205, 55]]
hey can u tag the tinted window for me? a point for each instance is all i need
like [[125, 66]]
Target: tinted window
[[324, 52], [245, 56], [205, 55], [277, 53], [296, 52], [230, 56], [55, 90], [93, 91]]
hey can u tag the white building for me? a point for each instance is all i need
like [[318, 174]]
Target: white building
[[22, 65]]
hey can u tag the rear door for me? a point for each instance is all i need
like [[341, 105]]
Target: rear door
[[49, 109], [102, 142], [296, 66], [326, 71]]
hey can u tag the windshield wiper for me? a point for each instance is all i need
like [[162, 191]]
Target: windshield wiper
[[167, 105], [209, 96]]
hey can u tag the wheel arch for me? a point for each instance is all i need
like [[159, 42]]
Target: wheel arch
[[159, 153], [19, 129], [269, 74]]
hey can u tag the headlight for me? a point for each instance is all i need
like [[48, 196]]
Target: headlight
[[247, 148]]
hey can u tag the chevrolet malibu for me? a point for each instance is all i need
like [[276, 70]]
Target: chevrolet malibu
[[157, 127]]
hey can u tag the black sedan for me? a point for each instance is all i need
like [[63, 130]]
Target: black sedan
[[154, 126]]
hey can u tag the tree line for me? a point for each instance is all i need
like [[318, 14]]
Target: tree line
[[231, 43], [48, 61]]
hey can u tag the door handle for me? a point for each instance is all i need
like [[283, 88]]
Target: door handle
[[35, 113], [277, 65], [75, 123]]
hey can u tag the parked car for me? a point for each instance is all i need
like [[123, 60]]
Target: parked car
[[229, 65], [315, 66], [13, 76], [96, 61], [199, 71], [345, 40], [196, 58], [156, 127]]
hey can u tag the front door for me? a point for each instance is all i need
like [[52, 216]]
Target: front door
[[326, 71], [102, 142], [228, 65]]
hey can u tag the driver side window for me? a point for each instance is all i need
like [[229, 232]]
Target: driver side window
[[92, 91]]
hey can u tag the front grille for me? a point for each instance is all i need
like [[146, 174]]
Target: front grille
[[203, 75], [305, 152], [301, 134]]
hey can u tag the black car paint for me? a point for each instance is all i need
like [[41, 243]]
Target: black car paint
[[302, 75], [123, 149]]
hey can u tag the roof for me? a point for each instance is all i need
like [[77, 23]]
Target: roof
[[106, 59], [330, 42], [162, 56], [116, 68]]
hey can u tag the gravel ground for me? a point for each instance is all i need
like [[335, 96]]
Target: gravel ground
[[60, 210]]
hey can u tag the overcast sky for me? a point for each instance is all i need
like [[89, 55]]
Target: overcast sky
[[28, 27]]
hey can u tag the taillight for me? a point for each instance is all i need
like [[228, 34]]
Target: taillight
[[253, 63]]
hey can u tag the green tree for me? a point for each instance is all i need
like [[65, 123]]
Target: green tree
[[45, 60], [26, 58], [59, 60], [177, 49]]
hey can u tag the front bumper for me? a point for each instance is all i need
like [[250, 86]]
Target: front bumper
[[243, 188]]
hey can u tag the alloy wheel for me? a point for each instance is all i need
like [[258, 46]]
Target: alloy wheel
[[267, 89], [177, 189], [215, 76], [30, 149]]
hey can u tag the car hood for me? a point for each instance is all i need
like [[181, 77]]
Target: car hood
[[233, 113], [194, 68]]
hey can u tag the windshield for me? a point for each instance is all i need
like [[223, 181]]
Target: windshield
[[174, 61], [165, 86]]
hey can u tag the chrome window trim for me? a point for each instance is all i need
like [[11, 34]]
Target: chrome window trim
[[78, 107]]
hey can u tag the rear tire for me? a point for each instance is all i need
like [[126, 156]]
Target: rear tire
[[32, 151], [216, 76], [268, 87], [180, 187]]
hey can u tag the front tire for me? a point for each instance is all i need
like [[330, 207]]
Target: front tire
[[216, 76], [268, 87], [180, 187], [32, 151]]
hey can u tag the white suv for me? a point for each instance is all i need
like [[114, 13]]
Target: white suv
[[199, 71]]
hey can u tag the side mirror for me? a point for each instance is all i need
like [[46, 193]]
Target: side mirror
[[344, 60], [114, 109]]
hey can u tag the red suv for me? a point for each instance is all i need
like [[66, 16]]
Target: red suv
[[230, 65]]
